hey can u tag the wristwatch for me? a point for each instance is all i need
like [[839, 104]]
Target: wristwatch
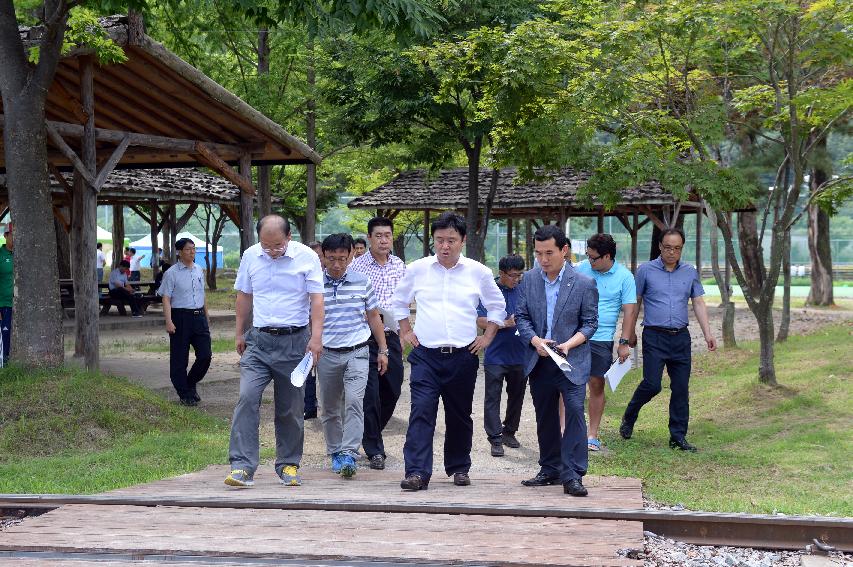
[[623, 341], [385, 352]]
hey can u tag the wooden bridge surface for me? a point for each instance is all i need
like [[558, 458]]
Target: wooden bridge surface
[[80, 534]]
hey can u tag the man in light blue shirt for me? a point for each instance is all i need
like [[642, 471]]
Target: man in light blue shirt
[[616, 292]]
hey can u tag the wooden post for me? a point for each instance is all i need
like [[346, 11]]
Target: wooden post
[[247, 223], [83, 231], [170, 228], [509, 249], [600, 220], [155, 266], [528, 239], [635, 234], [699, 214], [426, 233], [118, 235]]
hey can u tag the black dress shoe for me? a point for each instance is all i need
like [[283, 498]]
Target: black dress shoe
[[195, 396], [189, 402], [414, 482], [461, 479], [377, 462], [497, 449], [510, 441], [541, 479], [575, 487], [682, 444], [626, 429], [310, 414]]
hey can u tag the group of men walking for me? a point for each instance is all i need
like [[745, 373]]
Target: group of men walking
[[353, 316]]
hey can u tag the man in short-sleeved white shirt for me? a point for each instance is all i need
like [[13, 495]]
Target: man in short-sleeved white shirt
[[280, 286]]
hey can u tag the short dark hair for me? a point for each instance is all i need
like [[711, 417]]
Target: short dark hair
[[124, 264], [452, 220], [673, 230], [511, 262], [99, 245], [132, 250], [339, 241], [284, 224], [549, 231], [379, 221], [603, 244], [361, 241], [179, 245]]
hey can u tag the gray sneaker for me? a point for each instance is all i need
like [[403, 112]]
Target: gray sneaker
[[239, 478]]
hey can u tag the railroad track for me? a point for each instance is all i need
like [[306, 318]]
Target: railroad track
[[704, 528]]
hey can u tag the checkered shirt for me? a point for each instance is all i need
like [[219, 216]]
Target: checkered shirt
[[384, 279]]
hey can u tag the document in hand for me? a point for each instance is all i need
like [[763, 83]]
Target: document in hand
[[300, 373], [616, 372], [558, 360]]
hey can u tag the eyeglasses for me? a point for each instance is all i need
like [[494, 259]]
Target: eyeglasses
[[669, 248], [593, 259], [272, 251]]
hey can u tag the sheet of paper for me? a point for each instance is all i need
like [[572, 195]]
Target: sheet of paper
[[300, 373], [558, 360], [616, 372]]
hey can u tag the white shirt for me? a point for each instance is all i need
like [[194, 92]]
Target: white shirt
[[135, 262], [447, 300], [280, 286], [101, 260]]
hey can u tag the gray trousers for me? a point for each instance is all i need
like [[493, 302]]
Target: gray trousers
[[268, 357], [341, 380]]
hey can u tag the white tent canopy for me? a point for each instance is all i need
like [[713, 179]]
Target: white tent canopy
[[104, 234], [145, 242]]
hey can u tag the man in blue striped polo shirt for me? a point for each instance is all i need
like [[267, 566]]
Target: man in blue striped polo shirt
[[352, 315]]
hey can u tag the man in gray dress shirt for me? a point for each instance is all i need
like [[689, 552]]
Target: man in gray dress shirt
[[185, 312]]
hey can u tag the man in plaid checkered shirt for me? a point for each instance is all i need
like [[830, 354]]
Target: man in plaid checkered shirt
[[380, 397]]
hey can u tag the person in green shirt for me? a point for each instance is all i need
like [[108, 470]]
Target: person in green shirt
[[7, 291]]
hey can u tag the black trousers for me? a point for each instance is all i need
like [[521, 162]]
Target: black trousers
[[381, 394], [516, 384], [121, 293], [567, 456], [190, 330], [451, 378], [661, 349]]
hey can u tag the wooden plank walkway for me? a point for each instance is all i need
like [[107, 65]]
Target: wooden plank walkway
[[238, 534]]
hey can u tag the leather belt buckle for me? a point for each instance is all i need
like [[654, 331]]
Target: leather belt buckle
[[447, 349]]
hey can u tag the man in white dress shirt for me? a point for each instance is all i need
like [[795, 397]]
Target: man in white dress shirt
[[279, 282], [447, 289]]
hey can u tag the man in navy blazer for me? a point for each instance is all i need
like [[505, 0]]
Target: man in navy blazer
[[558, 306]]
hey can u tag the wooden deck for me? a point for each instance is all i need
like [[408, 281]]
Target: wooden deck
[[500, 526]]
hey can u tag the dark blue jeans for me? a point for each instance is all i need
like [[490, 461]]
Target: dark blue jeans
[[311, 391], [6, 326], [563, 456], [190, 330], [661, 349], [451, 378], [381, 394]]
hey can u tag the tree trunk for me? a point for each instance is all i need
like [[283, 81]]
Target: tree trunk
[[218, 227], [264, 192], [473, 240], [311, 138], [729, 340], [400, 245], [785, 323], [751, 252], [118, 235], [155, 242], [247, 208], [766, 366], [820, 250], [63, 250], [654, 250]]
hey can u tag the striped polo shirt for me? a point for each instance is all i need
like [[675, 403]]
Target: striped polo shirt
[[347, 302]]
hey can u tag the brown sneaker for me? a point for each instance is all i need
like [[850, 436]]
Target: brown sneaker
[[461, 479]]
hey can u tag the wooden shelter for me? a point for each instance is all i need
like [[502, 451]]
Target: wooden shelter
[[153, 110], [555, 199]]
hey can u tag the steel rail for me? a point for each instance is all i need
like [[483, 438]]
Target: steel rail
[[706, 528]]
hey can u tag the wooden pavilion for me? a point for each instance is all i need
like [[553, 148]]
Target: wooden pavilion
[[153, 110], [554, 200]]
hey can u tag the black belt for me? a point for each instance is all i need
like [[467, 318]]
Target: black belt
[[190, 311], [447, 349], [346, 348], [280, 330], [666, 330]]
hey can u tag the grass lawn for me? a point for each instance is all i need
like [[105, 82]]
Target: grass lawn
[[761, 449], [70, 431]]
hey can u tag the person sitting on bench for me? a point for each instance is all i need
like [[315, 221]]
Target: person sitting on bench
[[121, 290]]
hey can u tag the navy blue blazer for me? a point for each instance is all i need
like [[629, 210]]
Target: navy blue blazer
[[576, 310]]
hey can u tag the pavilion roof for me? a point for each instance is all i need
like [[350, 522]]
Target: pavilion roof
[[156, 94], [416, 190]]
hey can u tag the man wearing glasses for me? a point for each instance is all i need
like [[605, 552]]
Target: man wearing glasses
[[385, 271], [665, 285], [279, 284], [352, 316], [616, 292]]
